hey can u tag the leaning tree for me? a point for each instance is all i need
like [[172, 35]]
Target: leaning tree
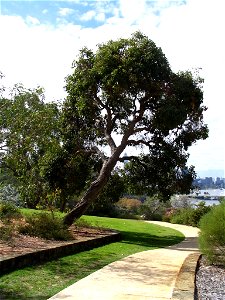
[[125, 94]]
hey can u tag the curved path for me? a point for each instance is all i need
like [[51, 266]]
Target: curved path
[[149, 274]]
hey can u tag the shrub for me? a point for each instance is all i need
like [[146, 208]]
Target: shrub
[[180, 201], [129, 204], [47, 226], [8, 193], [153, 209], [190, 216], [169, 213], [212, 235], [6, 232], [9, 211], [124, 213]]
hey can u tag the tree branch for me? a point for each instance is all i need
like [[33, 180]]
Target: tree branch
[[111, 142], [138, 142], [129, 157], [99, 102], [100, 153], [107, 129], [140, 129]]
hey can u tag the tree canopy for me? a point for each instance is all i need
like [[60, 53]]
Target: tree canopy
[[28, 131], [127, 89]]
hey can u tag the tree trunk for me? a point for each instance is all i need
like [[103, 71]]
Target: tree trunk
[[94, 190], [62, 204]]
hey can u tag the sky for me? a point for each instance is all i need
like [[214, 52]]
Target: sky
[[40, 40]]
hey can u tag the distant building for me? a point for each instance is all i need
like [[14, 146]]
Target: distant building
[[209, 183]]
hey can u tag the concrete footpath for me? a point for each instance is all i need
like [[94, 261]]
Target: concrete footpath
[[154, 274]]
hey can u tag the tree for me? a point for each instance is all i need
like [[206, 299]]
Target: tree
[[127, 89], [111, 193], [69, 173], [28, 131], [164, 173]]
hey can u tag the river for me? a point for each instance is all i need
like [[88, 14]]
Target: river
[[210, 196]]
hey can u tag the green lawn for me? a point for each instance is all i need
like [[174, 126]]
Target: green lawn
[[43, 281]]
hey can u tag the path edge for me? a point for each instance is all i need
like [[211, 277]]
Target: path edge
[[185, 282]]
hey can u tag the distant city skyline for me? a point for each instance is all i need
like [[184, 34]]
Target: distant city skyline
[[41, 39]]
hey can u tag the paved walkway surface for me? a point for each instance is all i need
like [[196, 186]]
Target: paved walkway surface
[[149, 274]]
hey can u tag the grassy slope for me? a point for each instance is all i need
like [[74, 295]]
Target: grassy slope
[[43, 281]]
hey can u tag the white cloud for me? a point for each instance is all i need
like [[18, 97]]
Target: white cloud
[[100, 17], [132, 10], [38, 55], [89, 15], [65, 11], [191, 36], [32, 21]]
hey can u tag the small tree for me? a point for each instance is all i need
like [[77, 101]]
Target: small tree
[[28, 131], [128, 89]]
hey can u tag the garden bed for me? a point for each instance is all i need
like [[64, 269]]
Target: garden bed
[[24, 250]]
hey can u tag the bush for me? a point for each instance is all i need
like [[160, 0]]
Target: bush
[[152, 209], [130, 204], [9, 211], [8, 193], [190, 216], [180, 201], [6, 232], [47, 226], [212, 235]]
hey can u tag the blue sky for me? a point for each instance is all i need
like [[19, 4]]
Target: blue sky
[[57, 12], [42, 38], [89, 13]]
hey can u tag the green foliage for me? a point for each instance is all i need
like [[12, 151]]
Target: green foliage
[[29, 129], [180, 201], [6, 232], [104, 86], [153, 208], [129, 203], [9, 193], [190, 216], [45, 225], [127, 87], [127, 208], [9, 211], [68, 174], [163, 172], [212, 235]]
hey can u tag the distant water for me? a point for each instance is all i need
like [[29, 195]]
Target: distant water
[[210, 194], [207, 202]]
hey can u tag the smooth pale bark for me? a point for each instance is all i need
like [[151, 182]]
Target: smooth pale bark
[[95, 188]]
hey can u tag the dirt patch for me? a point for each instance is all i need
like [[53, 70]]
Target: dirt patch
[[21, 244]]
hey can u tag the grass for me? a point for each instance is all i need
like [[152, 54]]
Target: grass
[[44, 280]]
